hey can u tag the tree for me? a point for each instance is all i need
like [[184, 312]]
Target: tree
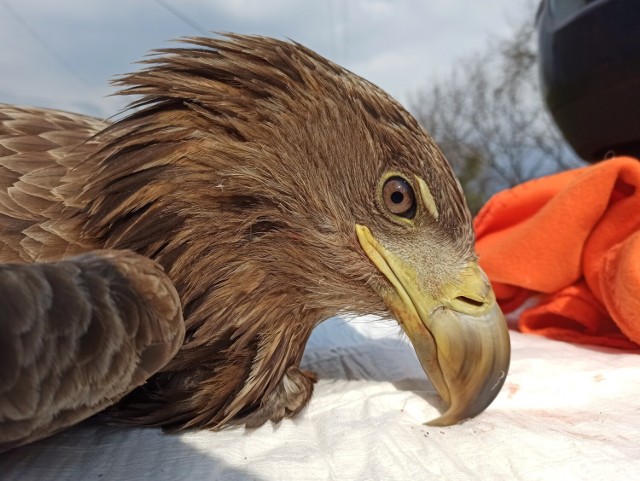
[[489, 120]]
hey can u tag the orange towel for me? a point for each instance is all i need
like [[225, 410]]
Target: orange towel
[[574, 239]]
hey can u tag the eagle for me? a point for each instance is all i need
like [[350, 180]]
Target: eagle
[[169, 266]]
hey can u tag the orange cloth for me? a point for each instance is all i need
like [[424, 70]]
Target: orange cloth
[[574, 237]]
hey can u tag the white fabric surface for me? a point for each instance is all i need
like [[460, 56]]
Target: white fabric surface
[[566, 412]]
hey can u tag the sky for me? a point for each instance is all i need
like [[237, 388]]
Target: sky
[[61, 54]]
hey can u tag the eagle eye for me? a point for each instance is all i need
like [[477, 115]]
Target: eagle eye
[[398, 197]]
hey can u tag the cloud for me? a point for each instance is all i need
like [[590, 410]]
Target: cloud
[[62, 54]]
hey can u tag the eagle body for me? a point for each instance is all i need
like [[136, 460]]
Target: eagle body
[[245, 170]]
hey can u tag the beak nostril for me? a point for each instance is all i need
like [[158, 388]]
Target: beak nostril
[[468, 300]]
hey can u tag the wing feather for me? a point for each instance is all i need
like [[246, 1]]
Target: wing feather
[[77, 335], [39, 150]]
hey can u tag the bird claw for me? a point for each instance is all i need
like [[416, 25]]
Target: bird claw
[[286, 400]]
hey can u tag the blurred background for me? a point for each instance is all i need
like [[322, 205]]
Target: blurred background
[[466, 69]]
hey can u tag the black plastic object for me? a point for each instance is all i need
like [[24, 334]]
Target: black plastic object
[[590, 71]]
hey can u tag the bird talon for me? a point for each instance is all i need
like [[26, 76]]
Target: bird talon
[[289, 397]]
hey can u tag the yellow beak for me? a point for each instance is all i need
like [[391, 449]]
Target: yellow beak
[[461, 338]]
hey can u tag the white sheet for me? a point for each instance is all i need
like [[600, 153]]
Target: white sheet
[[566, 412]]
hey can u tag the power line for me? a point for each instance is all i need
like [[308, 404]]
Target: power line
[[46, 46], [174, 11]]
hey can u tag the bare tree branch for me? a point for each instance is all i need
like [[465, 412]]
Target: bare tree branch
[[489, 119]]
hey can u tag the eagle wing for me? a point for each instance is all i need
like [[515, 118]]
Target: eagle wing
[[75, 334], [44, 159]]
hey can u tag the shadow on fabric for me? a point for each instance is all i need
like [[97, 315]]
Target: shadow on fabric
[[94, 451]]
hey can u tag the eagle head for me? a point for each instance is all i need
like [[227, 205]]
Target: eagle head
[[278, 189]]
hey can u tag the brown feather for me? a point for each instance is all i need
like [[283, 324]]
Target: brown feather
[[77, 335], [242, 169]]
